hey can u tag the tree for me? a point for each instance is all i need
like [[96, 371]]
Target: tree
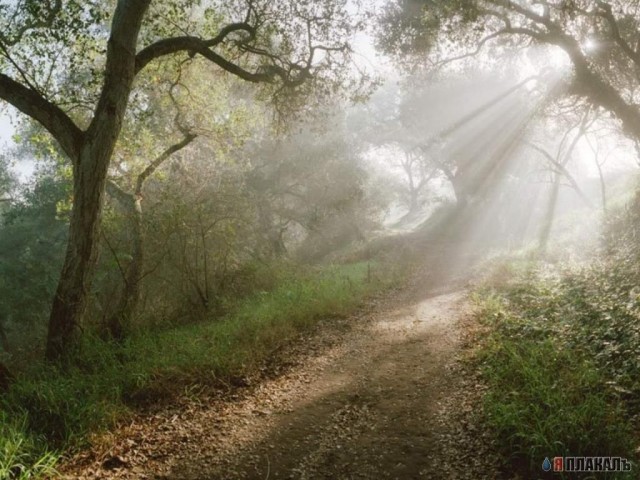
[[282, 43], [558, 165], [599, 38], [382, 124], [433, 120], [131, 202], [134, 166], [33, 232], [308, 188]]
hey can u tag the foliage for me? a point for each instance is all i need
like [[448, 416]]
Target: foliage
[[561, 362], [596, 38], [411, 27], [297, 49], [68, 37], [22, 456], [7, 181], [309, 190], [34, 230], [622, 231]]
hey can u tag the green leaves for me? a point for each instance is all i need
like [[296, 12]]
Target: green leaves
[[32, 239], [566, 351]]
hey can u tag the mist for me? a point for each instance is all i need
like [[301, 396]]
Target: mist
[[333, 239]]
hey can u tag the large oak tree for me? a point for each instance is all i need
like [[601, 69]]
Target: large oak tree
[[72, 67]]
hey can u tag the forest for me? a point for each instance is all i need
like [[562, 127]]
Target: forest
[[319, 239]]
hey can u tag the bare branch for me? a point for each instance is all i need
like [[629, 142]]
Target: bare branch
[[560, 168], [469, 54], [29, 82], [152, 167], [114, 191], [115, 257]]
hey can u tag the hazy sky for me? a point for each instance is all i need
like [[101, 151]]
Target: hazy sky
[[24, 168], [6, 130]]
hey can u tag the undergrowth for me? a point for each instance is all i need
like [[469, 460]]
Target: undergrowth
[[560, 355], [49, 410]]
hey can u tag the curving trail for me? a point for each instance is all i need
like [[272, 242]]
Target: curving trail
[[387, 398]]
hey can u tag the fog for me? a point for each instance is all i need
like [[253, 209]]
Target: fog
[[210, 208], [500, 140]]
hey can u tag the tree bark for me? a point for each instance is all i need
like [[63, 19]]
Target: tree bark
[[90, 173], [132, 204], [129, 296], [587, 82]]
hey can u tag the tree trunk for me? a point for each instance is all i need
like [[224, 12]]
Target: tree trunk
[[549, 217], [132, 205], [6, 378], [271, 232], [603, 186], [90, 173], [589, 84], [460, 190], [413, 200], [4, 340], [70, 299], [130, 294]]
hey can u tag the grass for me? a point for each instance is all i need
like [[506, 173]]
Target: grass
[[48, 410], [20, 455], [552, 389]]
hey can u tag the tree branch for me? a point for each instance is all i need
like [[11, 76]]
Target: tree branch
[[169, 46], [152, 167], [473, 53], [563, 170], [607, 14], [505, 31], [195, 45], [542, 19], [31, 103], [115, 257], [114, 191]]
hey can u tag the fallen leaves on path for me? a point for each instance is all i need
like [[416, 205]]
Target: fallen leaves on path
[[379, 395]]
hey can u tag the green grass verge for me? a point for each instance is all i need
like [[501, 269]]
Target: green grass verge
[[550, 357], [49, 410]]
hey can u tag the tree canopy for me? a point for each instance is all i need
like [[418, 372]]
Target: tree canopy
[[599, 39]]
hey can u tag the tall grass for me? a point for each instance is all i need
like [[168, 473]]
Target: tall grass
[[49, 409], [21, 457]]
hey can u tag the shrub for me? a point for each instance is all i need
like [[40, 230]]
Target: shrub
[[560, 360]]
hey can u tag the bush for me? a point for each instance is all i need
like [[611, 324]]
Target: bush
[[561, 361]]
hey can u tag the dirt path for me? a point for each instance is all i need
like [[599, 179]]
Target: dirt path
[[386, 399]]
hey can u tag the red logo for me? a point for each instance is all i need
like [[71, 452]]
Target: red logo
[[558, 464]]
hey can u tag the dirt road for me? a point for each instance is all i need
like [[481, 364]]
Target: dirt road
[[382, 399]]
